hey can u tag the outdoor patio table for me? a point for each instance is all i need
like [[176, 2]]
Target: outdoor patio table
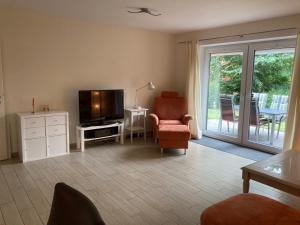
[[272, 113]]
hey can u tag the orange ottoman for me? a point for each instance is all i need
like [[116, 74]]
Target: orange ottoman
[[250, 209], [173, 136]]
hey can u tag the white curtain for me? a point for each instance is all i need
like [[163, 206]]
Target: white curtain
[[193, 88], [292, 135]]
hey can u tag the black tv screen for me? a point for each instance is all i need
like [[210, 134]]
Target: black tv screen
[[100, 105]]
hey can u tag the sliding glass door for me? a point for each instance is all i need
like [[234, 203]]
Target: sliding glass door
[[246, 93], [268, 87], [226, 69]]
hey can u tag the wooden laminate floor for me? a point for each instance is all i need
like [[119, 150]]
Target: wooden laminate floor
[[129, 184]]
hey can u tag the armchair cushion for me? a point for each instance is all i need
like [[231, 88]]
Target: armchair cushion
[[250, 209], [174, 132], [170, 122]]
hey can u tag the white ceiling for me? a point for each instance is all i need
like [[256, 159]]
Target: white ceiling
[[178, 15]]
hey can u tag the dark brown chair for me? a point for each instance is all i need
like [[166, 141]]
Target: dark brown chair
[[70, 207], [227, 112], [256, 120]]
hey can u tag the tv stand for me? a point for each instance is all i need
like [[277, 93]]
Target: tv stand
[[105, 130]]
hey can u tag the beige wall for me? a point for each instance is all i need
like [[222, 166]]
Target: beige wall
[[51, 58], [253, 27]]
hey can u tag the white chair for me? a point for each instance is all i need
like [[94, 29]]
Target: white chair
[[275, 102], [261, 99], [284, 102], [255, 95], [283, 105]]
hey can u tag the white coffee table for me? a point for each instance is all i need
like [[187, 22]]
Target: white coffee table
[[280, 171]]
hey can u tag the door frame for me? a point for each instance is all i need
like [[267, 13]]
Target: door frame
[[253, 47], [243, 48]]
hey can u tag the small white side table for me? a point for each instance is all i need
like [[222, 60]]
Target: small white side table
[[136, 125]]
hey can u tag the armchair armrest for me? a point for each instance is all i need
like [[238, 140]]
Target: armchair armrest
[[186, 118], [154, 118]]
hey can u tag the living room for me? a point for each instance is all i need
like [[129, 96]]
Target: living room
[[52, 50]]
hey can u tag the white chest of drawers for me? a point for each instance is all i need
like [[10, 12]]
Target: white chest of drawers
[[43, 135]]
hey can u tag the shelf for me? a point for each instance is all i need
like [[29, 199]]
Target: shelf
[[99, 138], [135, 128], [100, 126]]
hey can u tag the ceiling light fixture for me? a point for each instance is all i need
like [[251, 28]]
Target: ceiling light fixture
[[144, 10]]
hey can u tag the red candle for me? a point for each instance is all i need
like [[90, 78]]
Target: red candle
[[33, 102]]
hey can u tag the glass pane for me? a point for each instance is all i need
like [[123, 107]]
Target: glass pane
[[225, 71], [272, 75]]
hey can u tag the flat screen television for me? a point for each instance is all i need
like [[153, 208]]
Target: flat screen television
[[99, 106]]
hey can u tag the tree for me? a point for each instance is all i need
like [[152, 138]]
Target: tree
[[272, 74]]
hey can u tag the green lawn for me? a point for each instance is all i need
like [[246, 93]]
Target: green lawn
[[213, 114]]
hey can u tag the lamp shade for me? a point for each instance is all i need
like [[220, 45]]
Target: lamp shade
[[151, 86]]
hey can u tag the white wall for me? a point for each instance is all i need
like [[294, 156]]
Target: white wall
[[51, 58]]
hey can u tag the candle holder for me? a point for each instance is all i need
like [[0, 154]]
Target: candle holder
[[33, 106]]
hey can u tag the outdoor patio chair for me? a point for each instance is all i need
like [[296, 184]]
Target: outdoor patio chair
[[279, 102], [256, 120], [275, 102], [227, 112], [261, 98], [255, 95], [283, 105]]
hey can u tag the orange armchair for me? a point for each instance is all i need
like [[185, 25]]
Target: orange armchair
[[171, 121]]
